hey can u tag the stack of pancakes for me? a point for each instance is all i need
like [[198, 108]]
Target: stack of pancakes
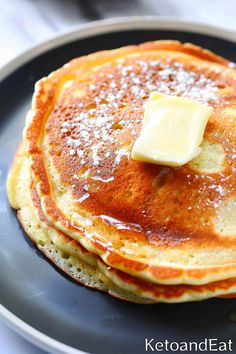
[[142, 232]]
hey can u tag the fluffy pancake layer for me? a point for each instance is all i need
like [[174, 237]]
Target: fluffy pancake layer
[[64, 252], [142, 232], [85, 267], [166, 225]]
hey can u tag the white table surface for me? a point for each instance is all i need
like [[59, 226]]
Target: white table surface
[[24, 23]]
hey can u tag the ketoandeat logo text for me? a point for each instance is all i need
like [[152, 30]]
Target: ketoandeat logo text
[[207, 345]]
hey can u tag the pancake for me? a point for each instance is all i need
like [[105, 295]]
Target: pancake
[[162, 224], [170, 293], [65, 253], [143, 219], [83, 266]]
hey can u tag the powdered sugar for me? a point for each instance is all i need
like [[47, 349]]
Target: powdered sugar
[[94, 134]]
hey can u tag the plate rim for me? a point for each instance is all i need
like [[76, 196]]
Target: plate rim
[[30, 333], [37, 338], [112, 25]]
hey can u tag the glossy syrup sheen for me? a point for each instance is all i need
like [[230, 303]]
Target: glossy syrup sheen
[[129, 320], [94, 124]]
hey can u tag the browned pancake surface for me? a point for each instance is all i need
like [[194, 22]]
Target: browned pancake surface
[[91, 138], [91, 118]]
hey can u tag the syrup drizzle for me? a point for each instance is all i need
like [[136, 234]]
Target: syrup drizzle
[[120, 225]]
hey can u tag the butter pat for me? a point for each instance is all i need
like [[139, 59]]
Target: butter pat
[[172, 131]]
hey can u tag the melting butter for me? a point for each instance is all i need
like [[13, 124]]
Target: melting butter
[[172, 130]]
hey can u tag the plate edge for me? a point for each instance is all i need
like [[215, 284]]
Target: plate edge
[[34, 336], [114, 25], [83, 31]]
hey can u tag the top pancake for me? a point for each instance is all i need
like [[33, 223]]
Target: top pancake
[[163, 224]]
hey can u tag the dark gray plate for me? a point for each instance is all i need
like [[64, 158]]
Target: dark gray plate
[[30, 287]]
